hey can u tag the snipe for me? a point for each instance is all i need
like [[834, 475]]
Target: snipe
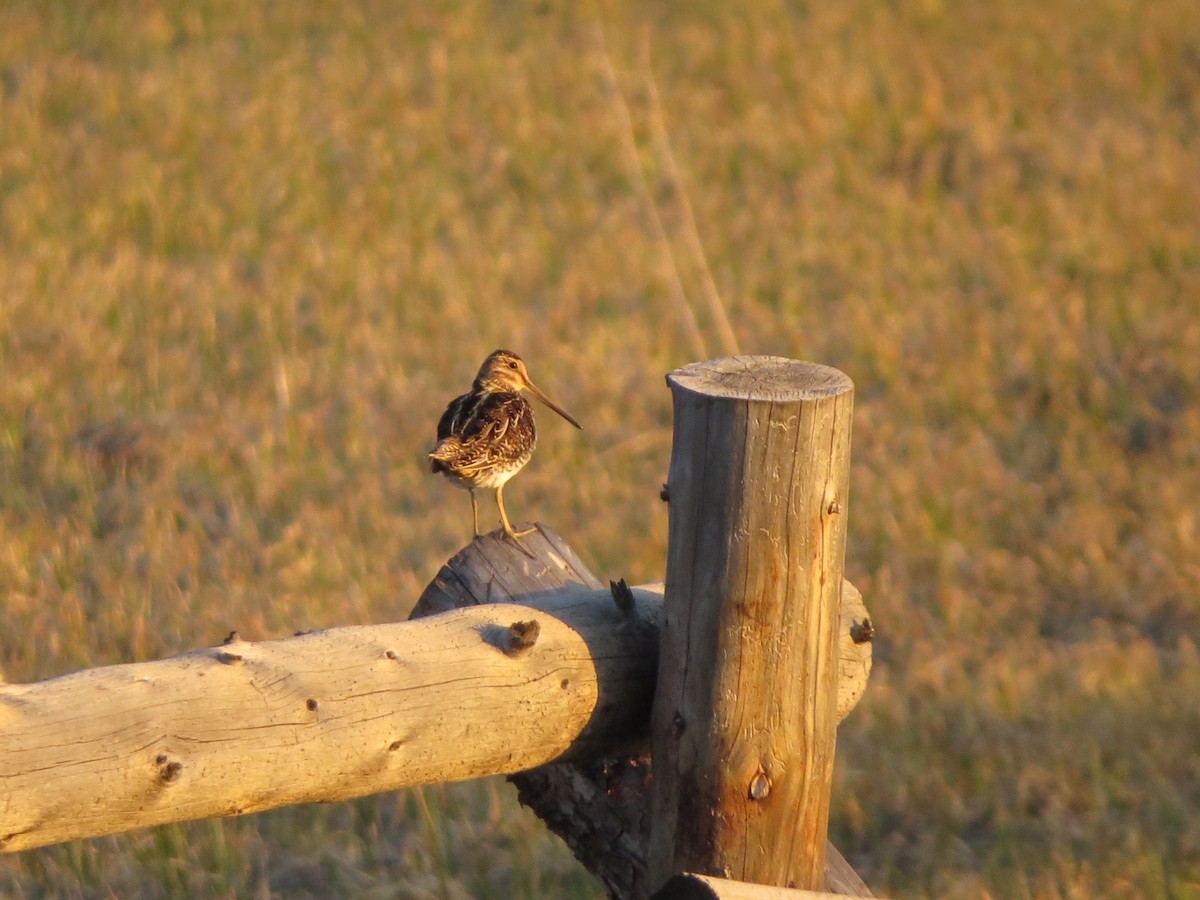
[[487, 435]]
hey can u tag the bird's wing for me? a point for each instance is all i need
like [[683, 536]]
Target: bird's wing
[[498, 429], [451, 421]]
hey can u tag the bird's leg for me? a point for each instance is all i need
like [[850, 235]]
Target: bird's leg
[[508, 529], [474, 512]]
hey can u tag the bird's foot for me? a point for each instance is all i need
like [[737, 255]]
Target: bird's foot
[[516, 536]]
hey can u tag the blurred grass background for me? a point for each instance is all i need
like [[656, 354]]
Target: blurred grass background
[[249, 251]]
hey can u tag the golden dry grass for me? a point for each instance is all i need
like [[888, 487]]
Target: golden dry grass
[[250, 250]]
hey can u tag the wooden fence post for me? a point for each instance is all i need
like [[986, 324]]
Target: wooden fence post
[[744, 723]]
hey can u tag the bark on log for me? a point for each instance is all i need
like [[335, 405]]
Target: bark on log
[[600, 807], [322, 717]]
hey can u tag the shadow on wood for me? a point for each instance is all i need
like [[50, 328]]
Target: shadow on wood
[[601, 807]]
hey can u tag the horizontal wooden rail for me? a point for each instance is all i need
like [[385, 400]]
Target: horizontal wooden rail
[[320, 717], [326, 716]]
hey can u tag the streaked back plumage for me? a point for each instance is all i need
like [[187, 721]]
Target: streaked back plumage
[[484, 438]]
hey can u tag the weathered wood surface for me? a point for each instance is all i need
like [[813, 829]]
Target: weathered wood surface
[[744, 725], [706, 887], [600, 807], [321, 717]]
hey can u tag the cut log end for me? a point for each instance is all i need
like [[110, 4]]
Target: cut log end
[[761, 378]]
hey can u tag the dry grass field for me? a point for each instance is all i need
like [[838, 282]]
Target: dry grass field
[[249, 250]]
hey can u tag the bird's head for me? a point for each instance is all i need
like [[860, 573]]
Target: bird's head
[[504, 371]]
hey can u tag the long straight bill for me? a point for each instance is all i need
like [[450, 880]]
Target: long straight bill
[[537, 392]]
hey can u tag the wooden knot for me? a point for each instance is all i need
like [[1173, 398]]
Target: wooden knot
[[622, 596], [168, 769], [521, 636], [760, 786]]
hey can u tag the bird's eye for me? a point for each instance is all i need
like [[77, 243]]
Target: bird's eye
[[512, 363]]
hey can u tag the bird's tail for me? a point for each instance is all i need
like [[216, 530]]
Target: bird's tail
[[445, 450]]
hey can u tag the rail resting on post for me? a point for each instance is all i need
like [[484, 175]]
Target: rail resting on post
[[345, 712], [600, 806]]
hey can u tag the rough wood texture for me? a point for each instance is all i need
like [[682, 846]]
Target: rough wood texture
[[601, 807], [325, 716], [744, 725], [491, 569]]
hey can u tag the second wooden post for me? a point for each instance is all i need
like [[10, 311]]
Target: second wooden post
[[744, 723]]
